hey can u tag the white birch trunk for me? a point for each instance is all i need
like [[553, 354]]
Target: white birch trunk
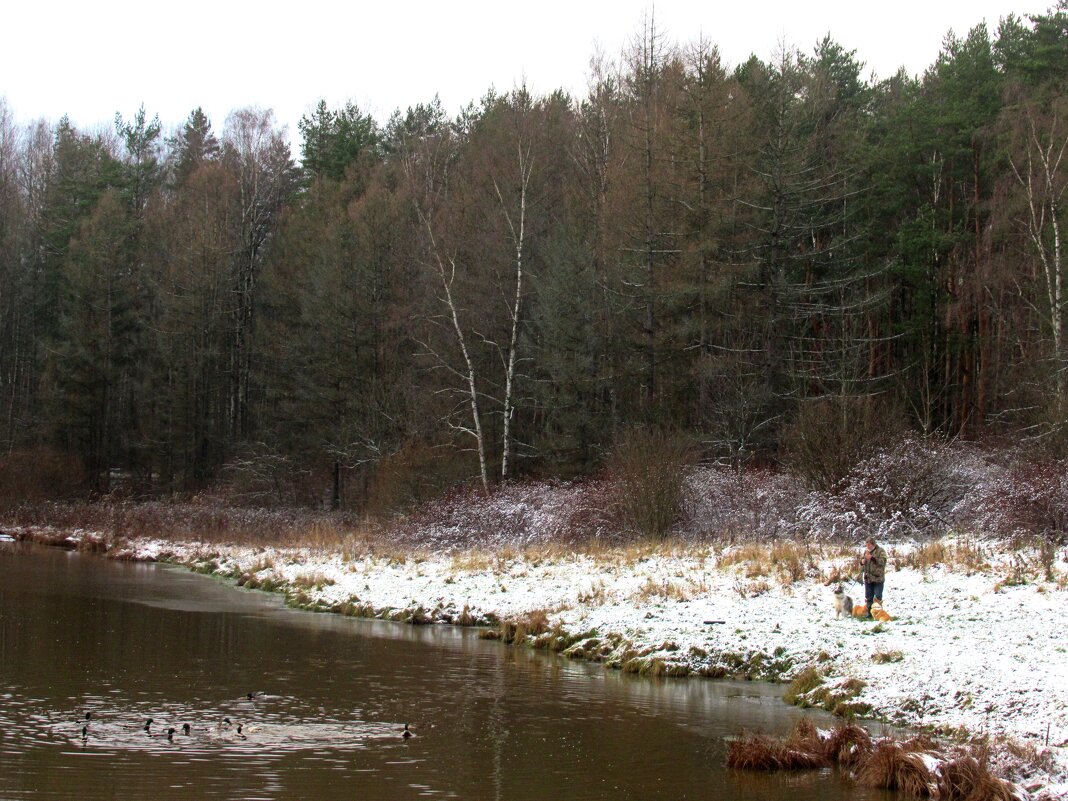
[[518, 234], [1039, 182], [447, 277]]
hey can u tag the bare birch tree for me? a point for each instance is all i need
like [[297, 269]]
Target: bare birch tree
[[1038, 170], [517, 228], [425, 153]]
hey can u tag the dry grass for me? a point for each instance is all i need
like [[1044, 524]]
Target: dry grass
[[261, 564], [517, 631], [312, 581], [789, 561], [471, 562], [596, 595], [805, 737], [890, 766], [966, 778], [961, 556], [671, 590], [804, 682], [847, 744], [761, 752], [884, 657], [900, 767]]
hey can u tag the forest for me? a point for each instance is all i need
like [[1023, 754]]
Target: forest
[[779, 262]]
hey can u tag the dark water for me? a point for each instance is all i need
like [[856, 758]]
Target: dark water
[[128, 642]]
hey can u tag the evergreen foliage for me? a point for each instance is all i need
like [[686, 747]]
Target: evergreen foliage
[[764, 259]]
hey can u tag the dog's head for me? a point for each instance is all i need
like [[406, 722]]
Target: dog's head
[[838, 590]]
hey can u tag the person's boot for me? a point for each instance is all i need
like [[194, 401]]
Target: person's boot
[[867, 613]]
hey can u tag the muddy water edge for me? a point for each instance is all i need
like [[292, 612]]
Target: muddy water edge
[[127, 642]]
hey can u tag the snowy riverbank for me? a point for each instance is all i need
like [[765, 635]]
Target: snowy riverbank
[[976, 645]]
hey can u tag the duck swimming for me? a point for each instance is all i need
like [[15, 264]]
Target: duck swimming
[[148, 724], [185, 729], [407, 732]]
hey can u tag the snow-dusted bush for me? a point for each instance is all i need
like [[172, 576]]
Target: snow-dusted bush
[[512, 515], [909, 489], [724, 503], [1019, 498]]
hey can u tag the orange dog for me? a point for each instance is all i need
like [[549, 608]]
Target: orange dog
[[877, 611]]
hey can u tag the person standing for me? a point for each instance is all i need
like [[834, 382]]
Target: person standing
[[873, 569]]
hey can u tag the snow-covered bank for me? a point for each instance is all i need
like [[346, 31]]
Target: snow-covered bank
[[976, 644]]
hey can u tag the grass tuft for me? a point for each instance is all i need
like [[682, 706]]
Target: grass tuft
[[968, 779], [803, 683], [889, 766], [761, 752], [847, 744]]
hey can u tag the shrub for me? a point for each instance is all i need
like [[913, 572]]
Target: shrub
[[650, 468], [412, 475], [34, 475], [830, 435], [723, 503], [259, 475], [908, 488], [1022, 498]]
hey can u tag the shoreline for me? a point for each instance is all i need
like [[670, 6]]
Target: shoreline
[[973, 649]]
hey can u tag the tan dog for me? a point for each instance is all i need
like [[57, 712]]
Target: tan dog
[[879, 613]]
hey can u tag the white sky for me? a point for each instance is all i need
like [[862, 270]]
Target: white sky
[[91, 59]]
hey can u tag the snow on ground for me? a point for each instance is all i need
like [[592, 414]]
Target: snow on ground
[[980, 647], [976, 641]]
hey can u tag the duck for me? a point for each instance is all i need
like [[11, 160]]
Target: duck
[[239, 735], [407, 732], [148, 724], [85, 733], [185, 729], [169, 734], [253, 695], [88, 716]]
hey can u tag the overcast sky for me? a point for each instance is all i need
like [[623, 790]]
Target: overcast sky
[[92, 59]]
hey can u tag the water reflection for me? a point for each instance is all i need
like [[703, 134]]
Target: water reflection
[[129, 642]]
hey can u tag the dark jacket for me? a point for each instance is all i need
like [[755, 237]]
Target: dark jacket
[[875, 568]]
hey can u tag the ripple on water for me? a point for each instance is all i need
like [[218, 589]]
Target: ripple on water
[[27, 723]]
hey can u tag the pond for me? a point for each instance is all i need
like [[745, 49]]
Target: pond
[[128, 642]]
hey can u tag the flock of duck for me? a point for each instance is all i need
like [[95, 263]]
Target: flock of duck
[[224, 729]]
